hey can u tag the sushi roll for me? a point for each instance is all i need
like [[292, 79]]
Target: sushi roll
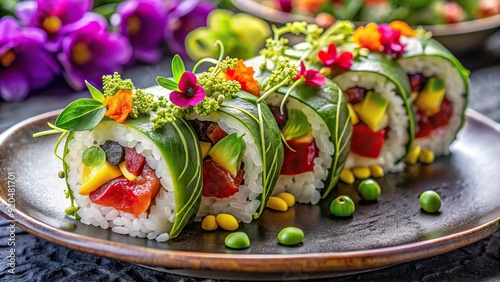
[[440, 90], [316, 128], [240, 142], [123, 174], [377, 90]]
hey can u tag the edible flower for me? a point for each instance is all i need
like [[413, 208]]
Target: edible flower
[[310, 77], [368, 37], [142, 22], [244, 75], [190, 94], [390, 40], [53, 16], [24, 62], [330, 58], [403, 28], [119, 105], [89, 51]]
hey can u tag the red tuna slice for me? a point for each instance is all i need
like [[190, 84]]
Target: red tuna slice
[[215, 133], [134, 162], [218, 182], [129, 196], [366, 142], [300, 161]]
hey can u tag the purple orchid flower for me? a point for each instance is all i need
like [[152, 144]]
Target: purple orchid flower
[[143, 23], [190, 94], [24, 62], [89, 51], [52, 16], [310, 77], [187, 16]]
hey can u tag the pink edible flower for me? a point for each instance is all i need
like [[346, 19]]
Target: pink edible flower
[[390, 40], [330, 58], [190, 94], [311, 77]]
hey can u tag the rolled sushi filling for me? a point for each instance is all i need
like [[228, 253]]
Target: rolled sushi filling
[[131, 192], [438, 95], [307, 153], [380, 120], [232, 168]]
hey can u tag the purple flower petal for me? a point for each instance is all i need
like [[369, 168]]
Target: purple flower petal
[[314, 78], [14, 86], [179, 99], [25, 11], [188, 80], [198, 96]]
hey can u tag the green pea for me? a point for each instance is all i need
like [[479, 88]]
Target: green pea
[[342, 206], [430, 201], [290, 236], [237, 240], [93, 156], [369, 189]]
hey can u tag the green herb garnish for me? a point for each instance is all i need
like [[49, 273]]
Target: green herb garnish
[[296, 126], [228, 152], [82, 114], [93, 156]]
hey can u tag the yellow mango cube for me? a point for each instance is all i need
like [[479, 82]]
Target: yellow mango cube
[[205, 148], [430, 99], [352, 113], [95, 177], [372, 111]]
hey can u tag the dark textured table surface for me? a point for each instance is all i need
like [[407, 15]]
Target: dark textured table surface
[[39, 260]]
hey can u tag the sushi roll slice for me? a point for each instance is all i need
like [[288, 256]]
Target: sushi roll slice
[[377, 90], [316, 127], [240, 142], [120, 172], [440, 90]]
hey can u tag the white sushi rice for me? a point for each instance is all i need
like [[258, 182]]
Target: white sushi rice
[[432, 66], [394, 147], [244, 203], [307, 186], [152, 224]]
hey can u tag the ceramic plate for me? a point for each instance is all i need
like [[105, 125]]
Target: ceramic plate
[[393, 230], [458, 38]]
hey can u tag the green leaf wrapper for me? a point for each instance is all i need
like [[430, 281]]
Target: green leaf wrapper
[[266, 133], [179, 147]]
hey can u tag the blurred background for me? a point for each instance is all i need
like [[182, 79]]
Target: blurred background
[[50, 47]]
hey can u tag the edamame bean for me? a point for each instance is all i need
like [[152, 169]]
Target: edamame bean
[[342, 206], [290, 236], [430, 201], [369, 189], [237, 240]]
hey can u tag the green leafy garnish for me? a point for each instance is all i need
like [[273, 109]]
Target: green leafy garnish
[[177, 68], [93, 156], [94, 92], [296, 126], [82, 114], [167, 83], [228, 153]]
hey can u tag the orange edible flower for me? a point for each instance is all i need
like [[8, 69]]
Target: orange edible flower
[[244, 75], [368, 37], [403, 28], [310, 5], [119, 105]]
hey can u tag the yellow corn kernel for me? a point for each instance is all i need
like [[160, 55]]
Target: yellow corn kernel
[[413, 155], [129, 175], [288, 198], [426, 156], [361, 172], [376, 171], [347, 176], [227, 221], [209, 223], [277, 204]]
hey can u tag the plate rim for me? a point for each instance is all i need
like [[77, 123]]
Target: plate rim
[[243, 262]]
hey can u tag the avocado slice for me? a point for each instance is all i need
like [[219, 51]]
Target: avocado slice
[[372, 111], [430, 99], [228, 153]]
